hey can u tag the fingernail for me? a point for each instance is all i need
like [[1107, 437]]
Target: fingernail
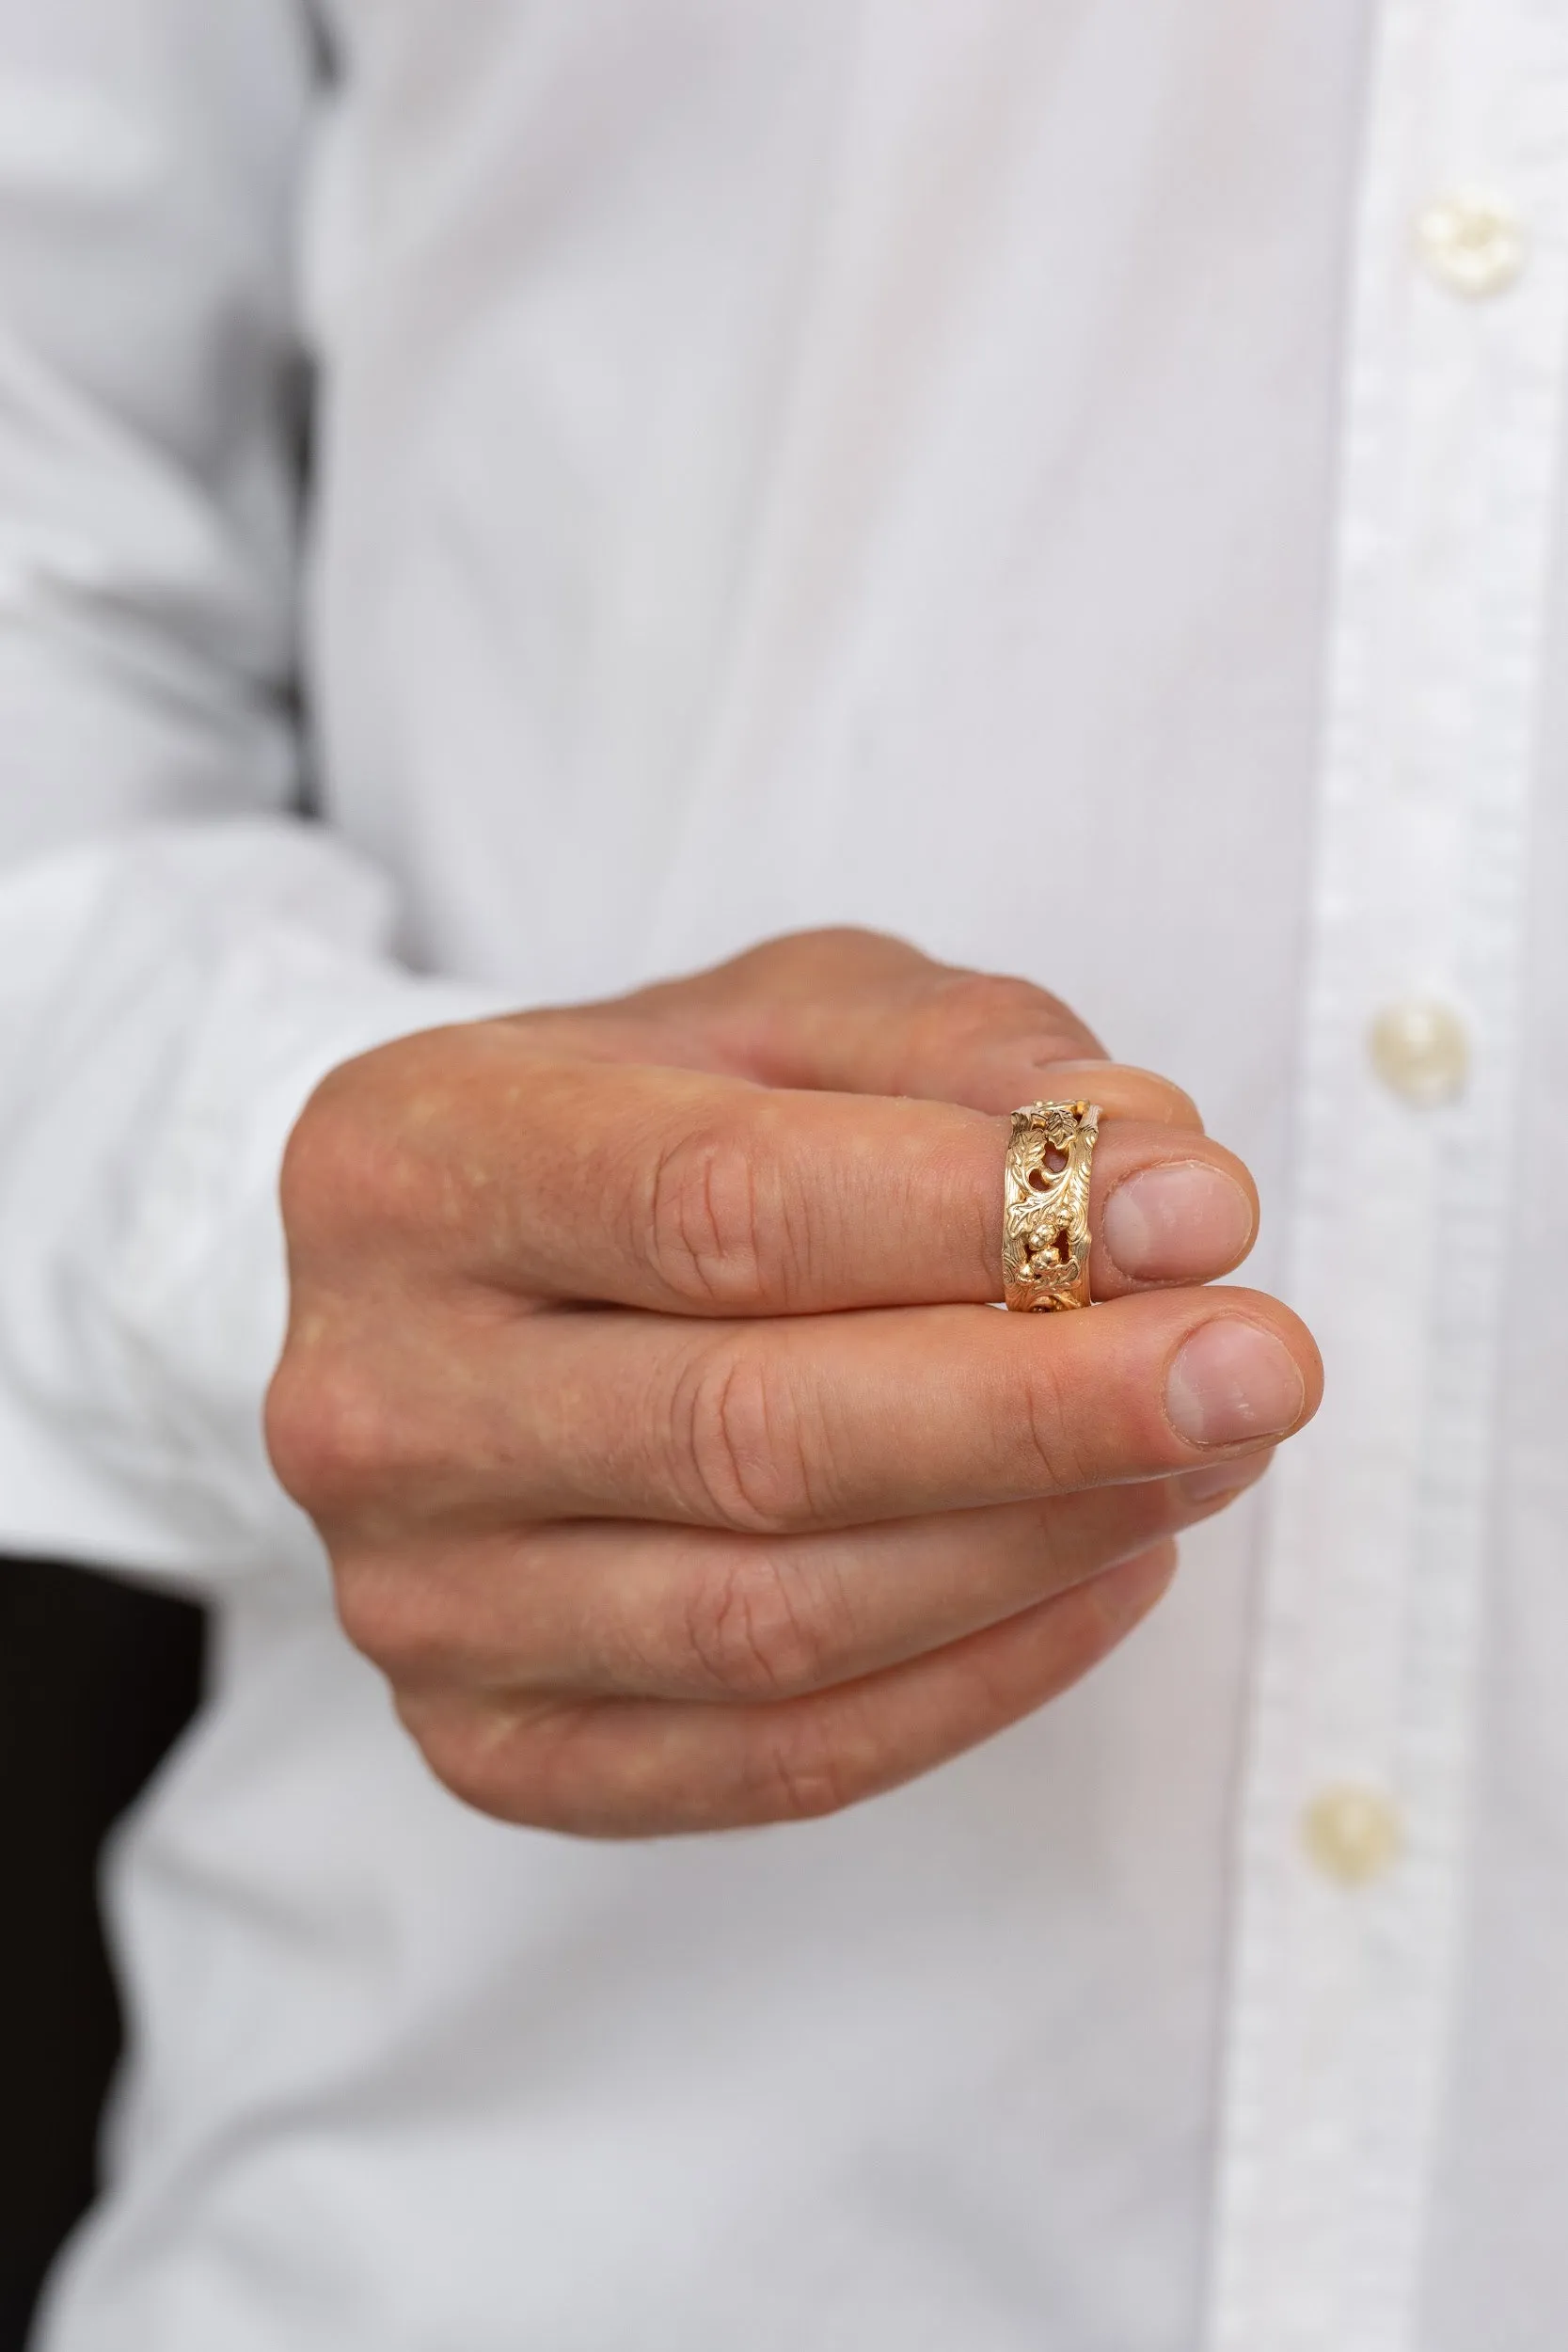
[[1232, 1380], [1177, 1222]]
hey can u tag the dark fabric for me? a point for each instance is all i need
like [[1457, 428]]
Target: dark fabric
[[97, 1678]]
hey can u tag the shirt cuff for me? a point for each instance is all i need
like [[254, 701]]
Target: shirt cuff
[[143, 1292]]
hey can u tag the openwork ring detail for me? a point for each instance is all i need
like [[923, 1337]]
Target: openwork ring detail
[[1045, 1212]]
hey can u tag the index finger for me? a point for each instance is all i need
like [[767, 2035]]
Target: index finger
[[859, 1012]]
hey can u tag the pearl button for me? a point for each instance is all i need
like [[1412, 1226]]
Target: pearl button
[[1352, 1834], [1420, 1050], [1472, 242]]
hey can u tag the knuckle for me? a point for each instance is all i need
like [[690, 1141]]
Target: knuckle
[[535, 1773], [465, 1746], [706, 1218], [369, 1611], [750, 1632], [325, 1176], [354, 1161], [844, 951], [801, 1772], [739, 1439], [392, 1612], [329, 1430], [1049, 1436]]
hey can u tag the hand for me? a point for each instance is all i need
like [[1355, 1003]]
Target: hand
[[641, 1382]]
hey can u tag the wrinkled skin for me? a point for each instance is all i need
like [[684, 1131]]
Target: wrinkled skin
[[641, 1379]]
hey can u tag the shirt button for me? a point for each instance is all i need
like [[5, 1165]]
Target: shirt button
[[1420, 1050], [1352, 1834], [1473, 243]]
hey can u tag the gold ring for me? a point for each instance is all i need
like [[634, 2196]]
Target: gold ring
[[1045, 1211]]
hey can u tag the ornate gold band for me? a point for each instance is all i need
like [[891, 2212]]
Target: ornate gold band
[[1045, 1212]]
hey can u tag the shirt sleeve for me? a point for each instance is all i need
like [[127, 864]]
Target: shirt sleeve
[[181, 956]]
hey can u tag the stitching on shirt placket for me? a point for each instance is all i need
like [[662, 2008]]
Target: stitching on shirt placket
[[1343, 2000]]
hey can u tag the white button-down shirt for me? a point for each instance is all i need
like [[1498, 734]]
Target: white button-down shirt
[[1079, 485]]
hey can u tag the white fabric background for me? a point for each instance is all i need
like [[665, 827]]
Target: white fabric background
[[774, 464]]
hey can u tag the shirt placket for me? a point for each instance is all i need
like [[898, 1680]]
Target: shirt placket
[[1353, 1820]]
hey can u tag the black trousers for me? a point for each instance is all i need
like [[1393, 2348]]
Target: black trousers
[[97, 1678]]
